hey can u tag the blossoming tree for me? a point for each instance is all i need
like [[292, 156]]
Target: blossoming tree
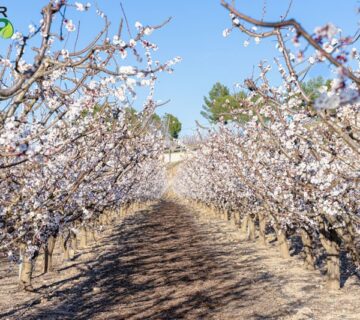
[[69, 154], [294, 165]]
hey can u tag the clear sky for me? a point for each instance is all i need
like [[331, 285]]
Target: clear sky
[[195, 34]]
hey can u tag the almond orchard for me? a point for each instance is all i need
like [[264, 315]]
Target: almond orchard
[[70, 153], [294, 166], [281, 165]]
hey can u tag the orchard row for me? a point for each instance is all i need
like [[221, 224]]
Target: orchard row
[[72, 149], [293, 164]]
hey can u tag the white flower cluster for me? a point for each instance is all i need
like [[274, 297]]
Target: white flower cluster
[[292, 161], [299, 170]]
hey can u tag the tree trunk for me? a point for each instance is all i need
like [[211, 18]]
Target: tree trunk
[[235, 218], [26, 274], [306, 239], [262, 228], [244, 225], [251, 232], [65, 248], [66, 253], [89, 233], [48, 254], [283, 244], [73, 241], [333, 269], [92, 235], [25, 270], [83, 238], [22, 249], [332, 248]]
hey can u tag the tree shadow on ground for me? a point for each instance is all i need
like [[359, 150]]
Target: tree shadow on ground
[[158, 265]]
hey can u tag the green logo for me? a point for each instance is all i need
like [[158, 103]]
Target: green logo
[[6, 27], [7, 30]]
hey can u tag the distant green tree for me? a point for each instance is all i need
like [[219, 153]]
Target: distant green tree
[[240, 117], [156, 121], [220, 103], [95, 109], [131, 116], [172, 124], [312, 86]]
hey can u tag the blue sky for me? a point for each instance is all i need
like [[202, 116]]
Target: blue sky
[[195, 34]]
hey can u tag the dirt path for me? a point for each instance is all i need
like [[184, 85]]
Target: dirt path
[[165, 263]]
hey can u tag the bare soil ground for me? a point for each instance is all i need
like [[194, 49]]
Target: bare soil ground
[[168, 262]]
